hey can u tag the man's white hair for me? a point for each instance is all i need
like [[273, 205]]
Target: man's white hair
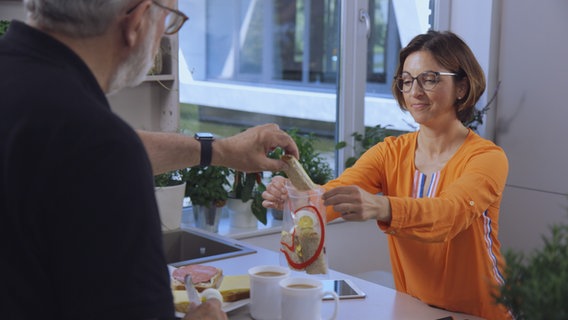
[[76, 18]]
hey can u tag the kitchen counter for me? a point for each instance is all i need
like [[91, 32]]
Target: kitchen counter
[[340, 234], [380, 303]]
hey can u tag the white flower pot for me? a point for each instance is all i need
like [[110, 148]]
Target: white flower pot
[[240, 214], [170, 205]]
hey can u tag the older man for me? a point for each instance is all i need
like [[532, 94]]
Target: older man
[[80, 234]]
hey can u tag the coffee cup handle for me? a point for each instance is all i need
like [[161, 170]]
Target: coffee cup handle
[[336, 303]]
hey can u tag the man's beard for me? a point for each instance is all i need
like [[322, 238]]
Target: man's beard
[[133, 71]]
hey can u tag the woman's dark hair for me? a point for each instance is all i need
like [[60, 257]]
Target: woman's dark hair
[[452, 53]]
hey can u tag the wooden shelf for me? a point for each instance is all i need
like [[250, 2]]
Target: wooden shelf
[[161, 77]]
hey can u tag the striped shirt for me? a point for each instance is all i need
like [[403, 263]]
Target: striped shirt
[[443, 241]]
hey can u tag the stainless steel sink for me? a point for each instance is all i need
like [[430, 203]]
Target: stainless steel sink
[[183, 247]]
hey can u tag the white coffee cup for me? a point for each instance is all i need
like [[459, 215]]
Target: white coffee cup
[[302, 299], [265, 292]]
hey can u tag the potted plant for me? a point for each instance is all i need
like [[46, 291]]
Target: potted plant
[[207, 188], [171, 178], [363, 142], [536, 286], [245, 199], [170, 189], [316, 166]]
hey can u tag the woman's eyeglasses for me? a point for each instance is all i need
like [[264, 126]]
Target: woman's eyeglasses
[[426, 80]]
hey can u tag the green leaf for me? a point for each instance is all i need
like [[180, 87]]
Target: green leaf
[[207, 185], [4, 26], [536, 285], [363, 142], [167, 179], [256, 206], [247, 186]]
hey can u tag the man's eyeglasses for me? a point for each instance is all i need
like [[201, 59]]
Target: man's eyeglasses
[[427, 80], [174, 20]]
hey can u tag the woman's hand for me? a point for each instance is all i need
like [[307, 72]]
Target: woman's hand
[[357, 204], [275, 194], [208, 310]]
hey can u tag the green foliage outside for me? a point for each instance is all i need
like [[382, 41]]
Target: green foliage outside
[[363, 142], [189, 123], [3, 26], [536, 285]]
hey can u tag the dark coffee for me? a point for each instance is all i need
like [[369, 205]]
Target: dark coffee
[[269, 274], [301, 286]]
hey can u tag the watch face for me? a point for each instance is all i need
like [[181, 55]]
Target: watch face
[[204, 135]]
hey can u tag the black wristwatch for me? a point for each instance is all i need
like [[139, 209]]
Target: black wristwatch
[[206, 139]]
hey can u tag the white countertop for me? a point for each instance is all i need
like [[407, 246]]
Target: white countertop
[[380, 303]]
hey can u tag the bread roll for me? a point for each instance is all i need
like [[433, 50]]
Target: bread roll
[[297, 175], [234, 288], [310, 241]]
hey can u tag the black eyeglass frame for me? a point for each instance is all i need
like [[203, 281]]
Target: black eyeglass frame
[[179, 15], [399, 81]]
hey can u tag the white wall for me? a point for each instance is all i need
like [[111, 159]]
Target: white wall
[[522, 43], [531, 118], [11, 9], [477, 22]]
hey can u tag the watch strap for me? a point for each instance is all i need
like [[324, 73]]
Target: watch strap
[[206, 140], [206, 152]]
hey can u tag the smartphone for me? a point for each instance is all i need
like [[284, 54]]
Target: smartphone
[[344, 288]]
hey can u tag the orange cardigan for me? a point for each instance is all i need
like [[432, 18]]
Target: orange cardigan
[[443, 242]]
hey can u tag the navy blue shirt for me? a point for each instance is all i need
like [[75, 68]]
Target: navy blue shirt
[[80, 233]]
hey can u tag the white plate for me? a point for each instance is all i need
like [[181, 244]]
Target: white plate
[[226, 307], [230, 306]]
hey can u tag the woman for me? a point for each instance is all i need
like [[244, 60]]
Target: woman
[[441, 187]]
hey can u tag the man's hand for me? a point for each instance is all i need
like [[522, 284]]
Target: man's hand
[[247, 151], [208, 310]]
